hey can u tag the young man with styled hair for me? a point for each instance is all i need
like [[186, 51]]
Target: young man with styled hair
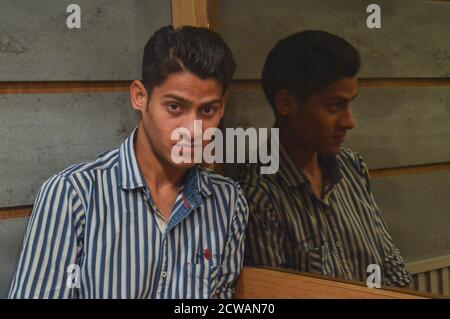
[[133, 223], [317, 213]]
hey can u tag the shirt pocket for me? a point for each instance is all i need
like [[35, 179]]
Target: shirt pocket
[[201, 279]]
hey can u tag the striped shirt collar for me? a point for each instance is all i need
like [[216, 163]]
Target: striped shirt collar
[[294, 176], [130, 176]]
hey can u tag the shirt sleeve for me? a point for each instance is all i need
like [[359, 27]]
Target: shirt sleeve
[[233, 256], [394, 270], [265, 236], [50, 245]]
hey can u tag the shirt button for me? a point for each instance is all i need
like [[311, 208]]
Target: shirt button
[[338, 244], [164, 274]]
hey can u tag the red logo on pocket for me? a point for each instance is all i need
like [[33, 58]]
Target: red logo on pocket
[[207, 253]]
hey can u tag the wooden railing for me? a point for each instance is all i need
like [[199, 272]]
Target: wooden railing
[[255, 283]]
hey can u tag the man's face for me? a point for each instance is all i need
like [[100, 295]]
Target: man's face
[[176, 103], [321, 123]]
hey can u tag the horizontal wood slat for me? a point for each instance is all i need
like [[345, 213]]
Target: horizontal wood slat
[[410, 170], [15, 212], [63, 87], [255, 84], [23, 87]]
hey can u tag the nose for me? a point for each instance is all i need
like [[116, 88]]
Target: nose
[[348, 121], [194, 126]]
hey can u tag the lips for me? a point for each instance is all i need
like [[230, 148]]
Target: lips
[[339, 138], [189, 145]]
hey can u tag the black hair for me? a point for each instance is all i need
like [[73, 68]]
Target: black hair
[[306, 62], [195, 49]]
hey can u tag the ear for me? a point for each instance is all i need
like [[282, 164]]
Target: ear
[[284, 102], [139, 96]]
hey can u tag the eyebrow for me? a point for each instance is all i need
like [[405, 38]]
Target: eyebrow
[[189, 102], [212, 102], [178, 98], [342, 98]]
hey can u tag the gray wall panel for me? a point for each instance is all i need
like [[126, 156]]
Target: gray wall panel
[[412, 40], [45, 133], [35, 43], [395, 127], [398, 127], [11, 239], [417, 211]]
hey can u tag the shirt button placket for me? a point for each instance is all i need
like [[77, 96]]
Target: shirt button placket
[[164, 274], [338, 244]]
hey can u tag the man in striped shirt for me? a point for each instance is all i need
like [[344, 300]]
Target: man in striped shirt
[[317, 213], [133, 223]]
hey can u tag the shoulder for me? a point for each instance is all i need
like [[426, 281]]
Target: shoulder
[[262, 190], [221, 184], [352, 161], [104, 161], [228, 194], [80, 176]]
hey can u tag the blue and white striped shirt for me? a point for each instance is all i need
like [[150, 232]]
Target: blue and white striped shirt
[[97, 222]]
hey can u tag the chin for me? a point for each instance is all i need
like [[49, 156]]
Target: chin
[[183, 165], [331, 151]]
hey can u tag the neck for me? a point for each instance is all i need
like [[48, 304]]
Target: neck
[[157, 173], [304, 157]]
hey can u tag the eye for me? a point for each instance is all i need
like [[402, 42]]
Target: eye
[[209, 110], [337, 105], [173, 108], [333, 106]]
